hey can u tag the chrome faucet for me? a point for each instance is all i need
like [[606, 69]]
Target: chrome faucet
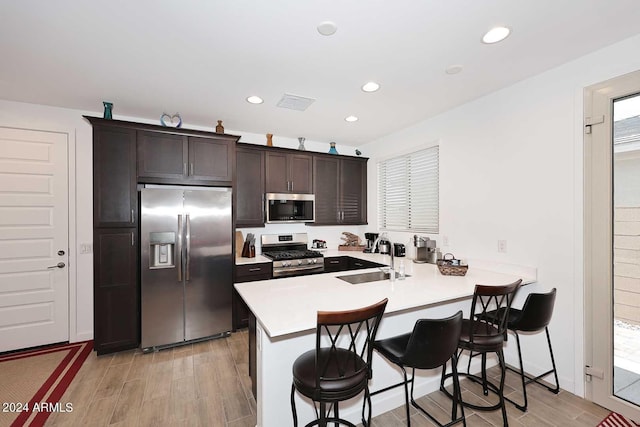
[[392, 269]]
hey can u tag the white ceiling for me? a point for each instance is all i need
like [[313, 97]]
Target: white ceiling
[[203, 58]]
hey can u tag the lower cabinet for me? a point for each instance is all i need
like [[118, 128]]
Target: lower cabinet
[[247, 273], [346, 263], [115, 294], [336, 263]]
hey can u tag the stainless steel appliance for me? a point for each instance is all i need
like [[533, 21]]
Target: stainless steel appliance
[[426, 250], [290, 207], [290, 254], [384, 247], [186, 264], [399, 250]]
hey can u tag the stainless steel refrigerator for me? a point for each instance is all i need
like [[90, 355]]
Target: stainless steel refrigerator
[[187, 264]]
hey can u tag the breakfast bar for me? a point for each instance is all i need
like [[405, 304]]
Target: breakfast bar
[[285, 319]]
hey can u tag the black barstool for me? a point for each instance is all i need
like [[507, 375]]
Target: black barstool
[[534, 316], [431, 344], [340, 366], [482, 334]]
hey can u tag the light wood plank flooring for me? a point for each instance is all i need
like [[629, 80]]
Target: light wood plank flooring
[[207, 384]]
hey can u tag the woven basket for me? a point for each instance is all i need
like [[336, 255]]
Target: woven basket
[[447, 267]]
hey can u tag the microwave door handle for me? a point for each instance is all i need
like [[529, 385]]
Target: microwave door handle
[[180, 248], [187, 276]]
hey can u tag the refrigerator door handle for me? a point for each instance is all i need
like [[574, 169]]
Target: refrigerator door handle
[[179, 248], [188, 238]]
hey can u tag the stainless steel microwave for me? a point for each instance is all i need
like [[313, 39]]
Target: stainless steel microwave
[[281, 207]]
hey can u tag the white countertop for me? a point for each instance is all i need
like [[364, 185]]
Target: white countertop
[[289, 305]]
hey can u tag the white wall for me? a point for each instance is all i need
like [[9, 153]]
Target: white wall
[[41, 117], [511, 169]]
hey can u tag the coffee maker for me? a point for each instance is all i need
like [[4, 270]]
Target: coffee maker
[[426, 250], [371, 240]]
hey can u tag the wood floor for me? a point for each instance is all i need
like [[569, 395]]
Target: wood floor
[[207, 384]]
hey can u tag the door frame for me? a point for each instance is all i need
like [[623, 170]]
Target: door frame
[[72, 270], [598, 240]]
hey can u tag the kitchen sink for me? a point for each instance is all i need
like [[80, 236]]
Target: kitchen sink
[[375, 276]]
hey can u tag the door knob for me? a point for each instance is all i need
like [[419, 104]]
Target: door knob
[[58, 265]]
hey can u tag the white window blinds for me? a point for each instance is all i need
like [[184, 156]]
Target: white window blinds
[[408, 192]]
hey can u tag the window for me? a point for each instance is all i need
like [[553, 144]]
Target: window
[[408, 192]]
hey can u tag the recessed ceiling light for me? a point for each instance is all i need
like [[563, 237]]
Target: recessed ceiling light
[[495, 35], [255, 100], [327, 28], [370, 87], [351, 119], [453, 69]]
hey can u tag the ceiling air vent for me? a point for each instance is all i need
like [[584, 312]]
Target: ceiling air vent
[[295, 102]]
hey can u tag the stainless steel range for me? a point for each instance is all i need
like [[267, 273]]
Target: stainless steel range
[[290, 254]]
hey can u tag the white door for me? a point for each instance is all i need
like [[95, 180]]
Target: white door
[[34, 246], [612, 244]]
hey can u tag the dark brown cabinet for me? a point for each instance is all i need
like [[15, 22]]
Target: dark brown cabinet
[[340, 187], [289, 173], [336, 263], [125, 154], [115, 200], [247, 273], [181, 159], [116, 305], [346, 263], [250, 187]]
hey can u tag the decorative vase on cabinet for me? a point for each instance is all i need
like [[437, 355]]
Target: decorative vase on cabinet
[[333, 150]]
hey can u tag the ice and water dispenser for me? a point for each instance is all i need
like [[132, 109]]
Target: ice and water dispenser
[[162, 249]]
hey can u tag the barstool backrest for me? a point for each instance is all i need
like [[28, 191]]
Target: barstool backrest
[[488, 299], [432, 342], [353, 330], [536, 312]]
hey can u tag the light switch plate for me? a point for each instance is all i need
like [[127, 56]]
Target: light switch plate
[[85, 248]]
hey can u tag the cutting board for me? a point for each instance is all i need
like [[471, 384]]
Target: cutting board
[[239, 243]]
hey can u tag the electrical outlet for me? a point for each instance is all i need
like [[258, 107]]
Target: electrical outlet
[[445, 240], [85, 248], [502, 246]]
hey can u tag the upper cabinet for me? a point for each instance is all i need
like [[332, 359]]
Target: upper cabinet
[[115, 200], [289, 173], [182, 159], [250, 178], [340, 187]]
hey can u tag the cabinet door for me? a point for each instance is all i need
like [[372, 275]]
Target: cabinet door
[[277, 173], [210, 160], [115, 200], [336, 263], [249, 188], [325, 184], [301, 173], [162, 155], [353, 191], [116, 316]]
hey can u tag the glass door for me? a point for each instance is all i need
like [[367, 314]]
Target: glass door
[[612, 244], [626, 248]]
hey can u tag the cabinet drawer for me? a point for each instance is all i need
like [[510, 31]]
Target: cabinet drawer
[[357, 264], [251, 272], [332, 264]]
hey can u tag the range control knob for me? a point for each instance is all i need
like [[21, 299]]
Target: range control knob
[[299, 262]]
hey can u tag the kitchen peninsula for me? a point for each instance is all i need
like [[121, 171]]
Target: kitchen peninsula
[[285, 313]]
